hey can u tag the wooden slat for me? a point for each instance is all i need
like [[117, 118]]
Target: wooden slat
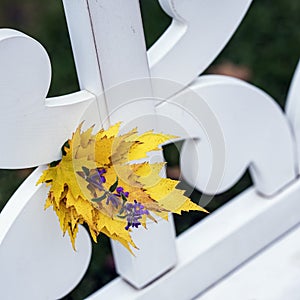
[[113, 65], [274, 274]]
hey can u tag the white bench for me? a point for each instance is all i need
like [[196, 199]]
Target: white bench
[[229, 126]]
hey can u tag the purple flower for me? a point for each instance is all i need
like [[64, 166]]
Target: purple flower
[[96, 181], [113, 199], [120, 192], [100, 173], [94, 178], [134, 212]]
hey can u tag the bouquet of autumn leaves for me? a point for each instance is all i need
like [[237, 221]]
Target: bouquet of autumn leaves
[[99, 182]]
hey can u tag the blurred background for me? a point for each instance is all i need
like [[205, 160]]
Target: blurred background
[[264, 51]]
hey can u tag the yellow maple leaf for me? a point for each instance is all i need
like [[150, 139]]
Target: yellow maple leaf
[[148, 141], [97, 182]]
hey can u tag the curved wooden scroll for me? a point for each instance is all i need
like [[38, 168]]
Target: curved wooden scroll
[[199, 31]]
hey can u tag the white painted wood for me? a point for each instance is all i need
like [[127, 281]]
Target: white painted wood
[[29, 123], [199, 31], [159, 238], [36, 261], [293, 110], [115, 52], [217, 245], [272, 275], [239, 126], [113, 33], [110, 56], [33, 252], [34, 128], [123, 61], [80, 28], [292, 103]]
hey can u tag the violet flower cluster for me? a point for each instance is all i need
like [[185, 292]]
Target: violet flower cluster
[[115, 196], [134, 212]]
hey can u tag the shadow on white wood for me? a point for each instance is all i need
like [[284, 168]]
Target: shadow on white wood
[[256, 136], [235, 126], [293, 110]]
